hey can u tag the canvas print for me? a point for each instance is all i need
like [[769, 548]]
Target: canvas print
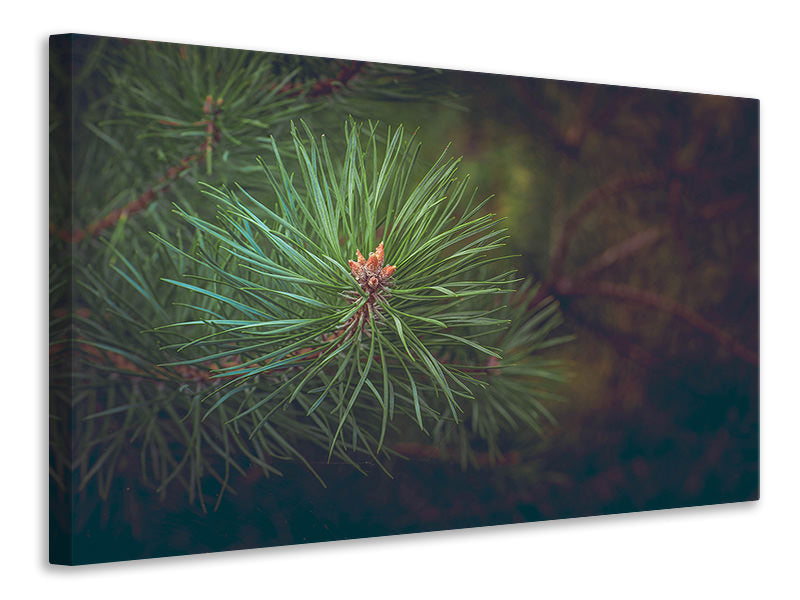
[[298, 299]]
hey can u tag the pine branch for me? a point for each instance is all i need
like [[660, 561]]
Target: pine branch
[[619, 252], [655, 301], [263, 333], [580, 283], [587, 205], [326, 86]]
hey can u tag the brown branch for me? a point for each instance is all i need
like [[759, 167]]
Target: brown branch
[[589, 203], [623, 250], [719, 209], [626, 293], [210, 108], [570, 229], [654, 234], [577, 285], [326, 87]]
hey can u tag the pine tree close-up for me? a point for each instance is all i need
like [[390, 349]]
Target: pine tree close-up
[[274, 284]]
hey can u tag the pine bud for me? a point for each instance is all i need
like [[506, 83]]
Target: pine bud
[[370, 273]]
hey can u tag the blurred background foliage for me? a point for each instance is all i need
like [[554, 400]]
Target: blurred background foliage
[[638, 210]]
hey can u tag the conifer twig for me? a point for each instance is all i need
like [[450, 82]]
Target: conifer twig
[[589, 203], [325, 87], [618, 252], [210, 108]]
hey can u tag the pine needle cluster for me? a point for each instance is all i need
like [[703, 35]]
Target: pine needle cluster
[[247, 327]]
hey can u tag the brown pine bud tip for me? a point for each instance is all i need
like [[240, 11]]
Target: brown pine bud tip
[[354, 268], [373, 263], [371, 275]]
